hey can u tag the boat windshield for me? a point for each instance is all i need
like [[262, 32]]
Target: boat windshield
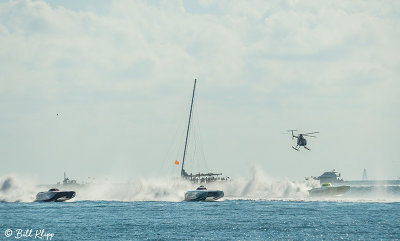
[[201, 188], [326, 185], [53, 190]]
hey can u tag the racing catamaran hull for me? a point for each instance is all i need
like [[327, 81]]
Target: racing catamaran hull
[[328, 191], [54, 196], [203, 195]]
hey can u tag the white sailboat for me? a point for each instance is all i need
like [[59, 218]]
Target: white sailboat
[[201, 193], [198, 177]]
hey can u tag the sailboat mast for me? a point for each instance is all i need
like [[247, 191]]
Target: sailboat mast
[[188, 128]]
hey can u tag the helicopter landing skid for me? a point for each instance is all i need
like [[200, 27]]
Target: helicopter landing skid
[[307, 148], [297, 149]]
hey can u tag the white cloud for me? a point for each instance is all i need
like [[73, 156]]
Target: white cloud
[[274, 62]]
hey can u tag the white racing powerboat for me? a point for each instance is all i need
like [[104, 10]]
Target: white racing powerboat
[[54, 195], [202, 194], [328, 190]]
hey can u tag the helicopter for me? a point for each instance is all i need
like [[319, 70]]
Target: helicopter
[[301, 141]]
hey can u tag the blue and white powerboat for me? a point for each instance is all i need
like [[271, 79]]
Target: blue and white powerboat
[[202, 194], [54, 195]]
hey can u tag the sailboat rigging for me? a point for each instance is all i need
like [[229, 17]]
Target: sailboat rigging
[[199, 177]]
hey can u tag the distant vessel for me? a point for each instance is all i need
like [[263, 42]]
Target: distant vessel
[[328, 190], [328, 177], [54, 195], [68, 182], [365, 177], [199, 177], [202, 194]]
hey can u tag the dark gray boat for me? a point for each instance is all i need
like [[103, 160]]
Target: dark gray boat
[[54, 195], [202, 194]]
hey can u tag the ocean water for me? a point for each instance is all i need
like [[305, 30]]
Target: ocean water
[[254, 208], [221, 220]]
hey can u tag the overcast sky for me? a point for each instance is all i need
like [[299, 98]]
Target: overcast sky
[[119, 74]]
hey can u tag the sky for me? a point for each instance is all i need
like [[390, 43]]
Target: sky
[[120, 74]]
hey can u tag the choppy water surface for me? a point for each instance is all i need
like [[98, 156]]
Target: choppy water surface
[[229, 219], [254, 208]]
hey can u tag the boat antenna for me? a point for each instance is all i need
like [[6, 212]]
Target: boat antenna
[[188, 128]]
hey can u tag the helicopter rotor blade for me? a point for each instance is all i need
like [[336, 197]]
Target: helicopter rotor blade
[[308, 135], [292, 133]]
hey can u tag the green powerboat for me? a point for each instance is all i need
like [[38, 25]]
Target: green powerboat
[[327, 189]]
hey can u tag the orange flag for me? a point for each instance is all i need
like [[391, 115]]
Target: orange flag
[[176, 162]]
